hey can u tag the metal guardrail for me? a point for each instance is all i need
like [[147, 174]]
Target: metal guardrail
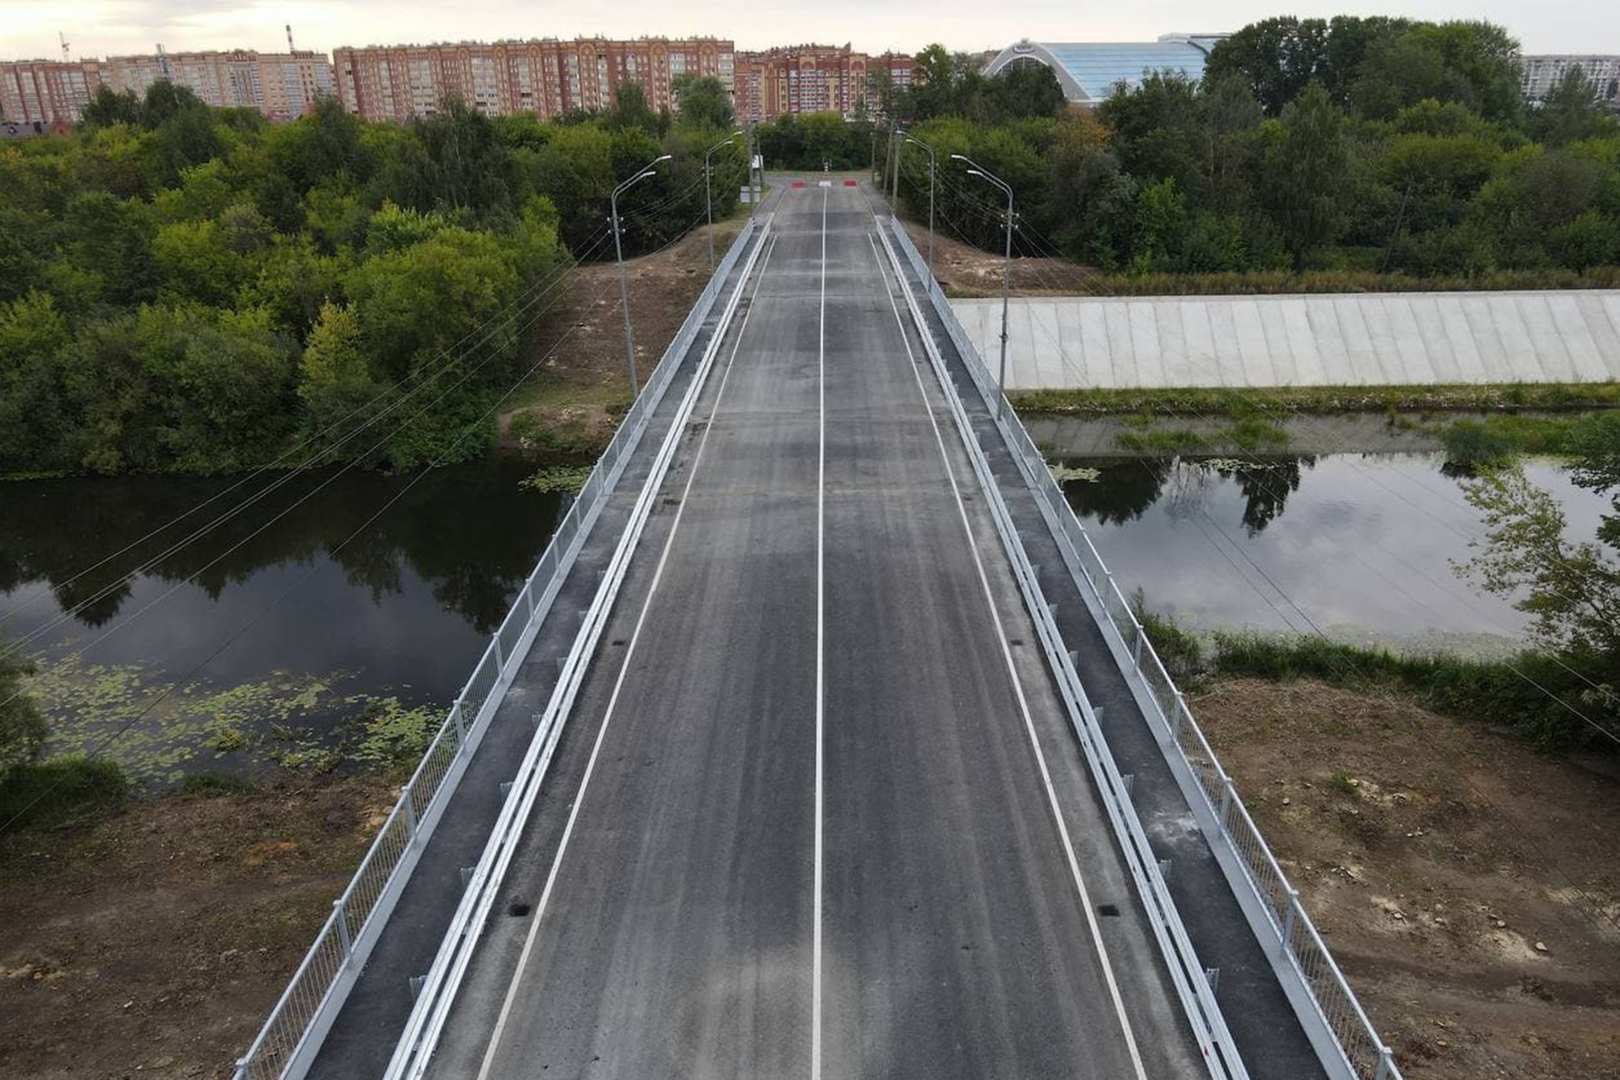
[[413, 1052], [1190, 979], [1338, 1028], [291, 1036]]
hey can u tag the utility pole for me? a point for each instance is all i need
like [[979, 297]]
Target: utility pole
[[930, 149], [708, 197], [1006, 267], [618, 254]]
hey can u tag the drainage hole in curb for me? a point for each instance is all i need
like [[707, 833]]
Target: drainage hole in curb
[[517, 909], [1111, 910]]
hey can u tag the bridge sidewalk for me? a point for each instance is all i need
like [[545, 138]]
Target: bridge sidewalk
[[1263, 1024], [363, 1037]]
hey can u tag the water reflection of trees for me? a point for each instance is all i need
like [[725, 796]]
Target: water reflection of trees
[[1125, 488], [469, 532]]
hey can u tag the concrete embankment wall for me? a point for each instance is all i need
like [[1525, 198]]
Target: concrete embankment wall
[[1363, 339]]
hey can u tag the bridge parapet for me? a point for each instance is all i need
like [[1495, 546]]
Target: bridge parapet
[[292, 1035], [1338, 1028]]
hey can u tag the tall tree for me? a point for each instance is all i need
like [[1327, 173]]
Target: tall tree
[[703, 102], [1305, 169]]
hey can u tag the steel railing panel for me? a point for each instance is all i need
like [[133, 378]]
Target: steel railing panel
[[285, 1045], [1332, 1016]]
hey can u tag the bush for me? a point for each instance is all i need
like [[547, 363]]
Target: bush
[[1471, 446], [61, 791]]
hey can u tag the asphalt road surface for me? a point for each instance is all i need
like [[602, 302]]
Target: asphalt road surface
[[817, 813]]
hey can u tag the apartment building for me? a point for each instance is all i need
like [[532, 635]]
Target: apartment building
[[807, 79], [545, 76], [279, 85], [46, 92], [1542, 73]]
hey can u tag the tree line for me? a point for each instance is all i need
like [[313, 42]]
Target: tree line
[[184, 288], [1362, 145]]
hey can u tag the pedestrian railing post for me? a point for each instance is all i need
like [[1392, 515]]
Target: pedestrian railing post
[[1386, 1063], [1288, 920], [407, 804], [461, 724], [500, 664], [1227, 795], [340, 916]]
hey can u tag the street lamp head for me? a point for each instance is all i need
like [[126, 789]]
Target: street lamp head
[[662, 157], [649, 174], [958, 157], [974, 172]]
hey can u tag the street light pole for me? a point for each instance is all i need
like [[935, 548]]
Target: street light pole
[[618, 254], [1006, 266], [894, 200], [930, 149], [708, 197]]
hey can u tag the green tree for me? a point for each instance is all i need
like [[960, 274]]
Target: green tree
[[1572, 111], [1305, 169], [32, 334], [465, 164], [107, 108], [703, 102], [336, 386], [1020, 91]]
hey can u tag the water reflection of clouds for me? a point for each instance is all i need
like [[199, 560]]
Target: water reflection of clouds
[[1363, 543]]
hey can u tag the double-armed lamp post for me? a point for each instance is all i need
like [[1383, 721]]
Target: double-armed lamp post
[[975, 169], [708, 198], [618, 253]]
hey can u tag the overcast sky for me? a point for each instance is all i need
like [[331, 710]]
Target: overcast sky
[[106, 27]]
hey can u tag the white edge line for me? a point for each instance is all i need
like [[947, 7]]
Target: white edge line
[[1198, 998], [821, 652], [1018, 686], [618, 686]]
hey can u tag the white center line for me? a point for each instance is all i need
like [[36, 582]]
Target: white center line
[[618, 685], [1018, 686], [821, 650]]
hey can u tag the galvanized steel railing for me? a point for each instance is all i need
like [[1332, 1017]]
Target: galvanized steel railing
[[292, 1034], [1333, 1019]]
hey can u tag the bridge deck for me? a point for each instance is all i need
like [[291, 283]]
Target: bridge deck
[[818, 767]]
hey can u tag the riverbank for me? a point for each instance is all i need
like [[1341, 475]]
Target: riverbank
[[1434, 854], [573, 404], [154, 941], [1465, 882]]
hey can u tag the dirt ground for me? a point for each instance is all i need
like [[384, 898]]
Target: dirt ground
[[1466, 883], [583, 387], [155, 943], [964, 270]]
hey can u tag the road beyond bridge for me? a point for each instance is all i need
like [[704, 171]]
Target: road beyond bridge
[[820, 784]]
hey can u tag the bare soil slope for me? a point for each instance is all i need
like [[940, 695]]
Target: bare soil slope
[[1466, 883]]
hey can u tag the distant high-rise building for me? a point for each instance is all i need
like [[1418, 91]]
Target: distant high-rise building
[[46, 92], [546, 76], [279, 85], [808, 79], [1542, 73]]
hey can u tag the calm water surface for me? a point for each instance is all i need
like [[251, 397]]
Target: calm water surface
[[1361, 545], [404, 608]]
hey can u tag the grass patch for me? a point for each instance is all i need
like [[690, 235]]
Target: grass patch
[[1513, 397], [1180, 650], [1252, 433], [1496, 440], [211, 785], [1284, 282], [61, 791], [1505, 693], [1160, 440]]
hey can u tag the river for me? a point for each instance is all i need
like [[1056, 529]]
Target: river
[[292, 622], [273, 636]]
